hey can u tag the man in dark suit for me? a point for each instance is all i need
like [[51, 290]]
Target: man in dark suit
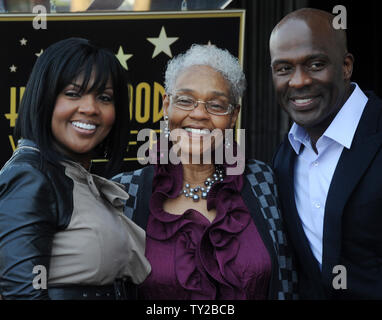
[[329, 167]]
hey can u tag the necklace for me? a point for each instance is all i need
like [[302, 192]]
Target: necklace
[[199, 192]]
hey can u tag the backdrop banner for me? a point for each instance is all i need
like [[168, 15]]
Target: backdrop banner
[[143, 43]]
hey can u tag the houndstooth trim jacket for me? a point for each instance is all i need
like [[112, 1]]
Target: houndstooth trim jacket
[[259, 194]]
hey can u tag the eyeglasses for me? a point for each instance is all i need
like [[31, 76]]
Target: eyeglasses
[[188, 103]]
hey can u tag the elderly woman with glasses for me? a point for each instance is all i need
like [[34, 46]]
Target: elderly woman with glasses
[[210, 234]]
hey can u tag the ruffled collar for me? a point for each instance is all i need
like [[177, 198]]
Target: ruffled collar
[[203, 250]]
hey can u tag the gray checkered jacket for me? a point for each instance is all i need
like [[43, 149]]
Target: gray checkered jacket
[[260, 196]]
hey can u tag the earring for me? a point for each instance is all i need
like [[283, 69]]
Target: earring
[[166, 129]]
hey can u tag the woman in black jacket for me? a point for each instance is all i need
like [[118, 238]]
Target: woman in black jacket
[[63, 234]]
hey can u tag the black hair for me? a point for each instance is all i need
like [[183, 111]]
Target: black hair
[[58, 66]]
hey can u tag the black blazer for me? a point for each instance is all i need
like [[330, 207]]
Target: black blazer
[[36, 201], [352, 234]]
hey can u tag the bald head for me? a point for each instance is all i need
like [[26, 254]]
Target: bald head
[[318, 21], [311, 68]]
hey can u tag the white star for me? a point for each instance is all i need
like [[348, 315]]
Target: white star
[[23, 42], [162, 43], [13, 68], [39, 53], [122, 57]]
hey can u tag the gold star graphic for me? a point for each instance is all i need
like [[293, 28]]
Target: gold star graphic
[[123, 57], [13, 68], [162, 43], [23, 42], [39, 53]]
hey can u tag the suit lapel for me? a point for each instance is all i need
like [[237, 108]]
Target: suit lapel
[[350, 168], [290, 214], [142, 211], [252, 203]]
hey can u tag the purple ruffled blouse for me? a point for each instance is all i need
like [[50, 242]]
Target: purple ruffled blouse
[[193, 258]]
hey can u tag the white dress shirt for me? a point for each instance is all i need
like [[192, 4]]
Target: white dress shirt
[[313, 172]]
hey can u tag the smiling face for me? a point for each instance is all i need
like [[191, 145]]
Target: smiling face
[[311, 71], [199, 83], [81, 121]]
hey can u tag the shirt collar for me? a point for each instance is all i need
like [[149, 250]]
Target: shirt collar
[[297, 136], [343, 127]]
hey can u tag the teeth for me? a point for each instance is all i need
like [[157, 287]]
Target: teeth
[[197, 131], [303, 101], [82, 125]]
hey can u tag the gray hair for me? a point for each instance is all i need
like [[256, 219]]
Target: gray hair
[[209, 55]]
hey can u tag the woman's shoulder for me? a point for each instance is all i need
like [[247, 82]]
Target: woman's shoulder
[[28, 161], [138, 176], [27, 170], [254, 166], [29, 185], [24, 187], [23, 162], [138, 184]]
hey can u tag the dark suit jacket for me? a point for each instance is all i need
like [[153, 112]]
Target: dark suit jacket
[[352, 234]]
